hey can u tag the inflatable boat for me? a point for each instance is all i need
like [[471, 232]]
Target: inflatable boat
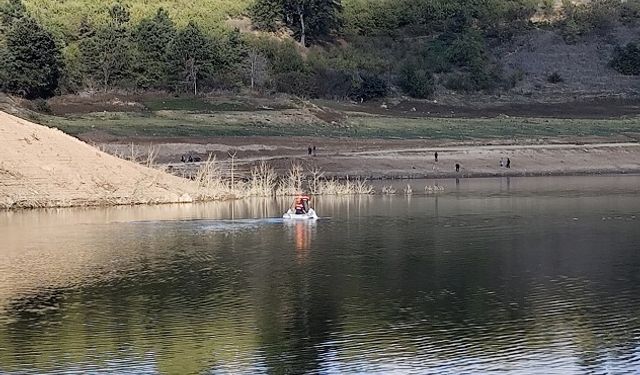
[[310, 215]]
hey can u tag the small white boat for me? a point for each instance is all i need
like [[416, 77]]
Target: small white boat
[[291, 214]]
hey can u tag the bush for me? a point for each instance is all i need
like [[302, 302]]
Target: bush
[[295, 83], [468, 50], [626, 60], [555, 78], [436, 57], [417, 82], [368, 86], [332, 83], [40, 106], [486, 78], [460, 82], [630, 12]]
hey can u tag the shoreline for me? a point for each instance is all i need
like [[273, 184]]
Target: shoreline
[[392, 160], [103, 204], [42, 167]]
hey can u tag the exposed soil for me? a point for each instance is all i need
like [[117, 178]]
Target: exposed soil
[[585, 109], [43, 167], [378, 158]]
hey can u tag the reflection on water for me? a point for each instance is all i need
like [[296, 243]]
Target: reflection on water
[[521, 276]]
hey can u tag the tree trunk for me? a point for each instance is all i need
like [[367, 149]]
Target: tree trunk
[[253, 71], [302, 29], [105, 76], [194, 78]]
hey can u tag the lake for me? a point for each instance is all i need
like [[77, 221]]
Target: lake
[[518, 276]]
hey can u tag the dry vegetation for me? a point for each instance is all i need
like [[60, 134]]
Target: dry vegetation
[[265, 182]]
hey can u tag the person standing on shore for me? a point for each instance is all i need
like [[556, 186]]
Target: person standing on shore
[[457, 167], [508, 163], [309, 150], [436, 156], [314, 150]]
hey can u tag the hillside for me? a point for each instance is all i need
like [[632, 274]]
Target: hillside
[[358, 50], [66, 16], [43, 167]]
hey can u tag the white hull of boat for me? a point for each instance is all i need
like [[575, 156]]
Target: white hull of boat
[[291, 215]]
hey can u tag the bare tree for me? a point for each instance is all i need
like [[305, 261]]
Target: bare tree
[[191, 74], [258, 69], [303, 37]]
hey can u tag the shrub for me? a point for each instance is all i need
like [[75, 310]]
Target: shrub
[[630, 12], [332, 83], [41, 106], [417, 82], [295, 83], [626, 60], [467, 50], [460, 82], [555, 78], [368, 86]]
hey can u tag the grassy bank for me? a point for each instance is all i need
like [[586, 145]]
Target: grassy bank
[[190, 123]]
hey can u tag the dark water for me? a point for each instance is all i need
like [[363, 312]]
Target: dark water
[[520, 276]]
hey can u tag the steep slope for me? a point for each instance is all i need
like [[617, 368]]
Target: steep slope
[[43, 167]]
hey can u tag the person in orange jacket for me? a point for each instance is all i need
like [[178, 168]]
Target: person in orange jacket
[[302, 204]]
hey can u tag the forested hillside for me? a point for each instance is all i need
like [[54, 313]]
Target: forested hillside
[[349, 49]]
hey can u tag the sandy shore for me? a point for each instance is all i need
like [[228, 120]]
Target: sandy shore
[[376, 159], [43, 167]]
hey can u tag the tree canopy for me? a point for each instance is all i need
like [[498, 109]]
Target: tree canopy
[[31, 62], [358, 49]]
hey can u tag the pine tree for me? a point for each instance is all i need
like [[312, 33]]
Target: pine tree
[[152, 36], [267, 15], [31, 63], [107, 54], [11, 11], [191, 58], [310, 20]]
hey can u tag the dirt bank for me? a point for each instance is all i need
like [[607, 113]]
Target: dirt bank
[[43, 167], [383, 158]]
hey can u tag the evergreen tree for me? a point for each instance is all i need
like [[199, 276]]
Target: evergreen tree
[[233, 59], [191, 58], [119, 14], [10, 11], [310, 20], [152, 36], [107, 54], [31, 61], [267, 15]]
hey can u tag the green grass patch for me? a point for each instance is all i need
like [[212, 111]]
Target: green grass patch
[[185, 125], [196, 104]]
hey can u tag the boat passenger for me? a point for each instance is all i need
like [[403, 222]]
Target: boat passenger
[[302, 204]]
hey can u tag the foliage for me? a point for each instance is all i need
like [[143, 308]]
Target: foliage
[[186, 46], [626, 60], [555, 78], [267, 15], [368, 86], [596, 16], [417, 81], [310, 20], [467, 50], [152, 36], [107, 55], [31, 61], [296, 83], [333, 83], [11, 11], [191, 58]]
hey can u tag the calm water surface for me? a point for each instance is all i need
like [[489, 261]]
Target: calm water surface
[[519, 276]]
